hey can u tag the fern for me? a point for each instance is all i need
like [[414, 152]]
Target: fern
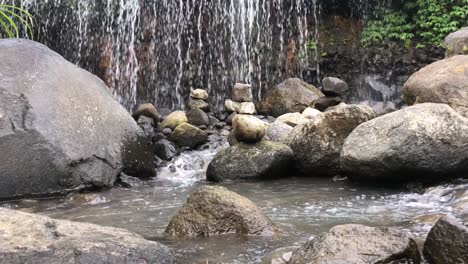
[[11, 17]]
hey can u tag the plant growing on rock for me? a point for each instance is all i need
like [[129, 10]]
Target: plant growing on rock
[[11, 19]]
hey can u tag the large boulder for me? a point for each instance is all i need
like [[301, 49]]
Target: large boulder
[[447, 242], [60, 128], [31, 239], [444, 82], [457, 43], [358, 244], [317, 144], [187, 135], [242, 93], [424, 142], [264, 160], [213, 210], [290, 96], [248, 129], [174, 119]]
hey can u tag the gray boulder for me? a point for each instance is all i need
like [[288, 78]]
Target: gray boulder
[[317, 145], [199, 104], [278, 132], [324, 103], [424, 142], [198, 117], [199, 94], [264, 160], [60, 128], [214, 210], [242, 93], [444, 82], [290, 96], [333, 85], [30, 239], [358, 244], [447, 242], [186, 135], [456, 43]]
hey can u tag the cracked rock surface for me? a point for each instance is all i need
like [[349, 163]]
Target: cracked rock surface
[[60, 128]]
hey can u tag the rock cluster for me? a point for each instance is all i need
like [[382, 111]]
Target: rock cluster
[[242, 100]]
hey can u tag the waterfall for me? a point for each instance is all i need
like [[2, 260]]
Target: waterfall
[[158, 50]]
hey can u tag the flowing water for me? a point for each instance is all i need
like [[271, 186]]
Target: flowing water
[[158, 50], [302, 207]]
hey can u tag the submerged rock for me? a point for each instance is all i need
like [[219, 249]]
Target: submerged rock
[[335, 86], [213, 210], [248, 129], [317, 145], [358, 244], [186, 135], [279, 256], [199, 94], [60, 128], [174, 119], [149, 111], [444, 82], [264, 160], [290, 96], [31, 239], [456, 43], [424, 142], [278, 131], [293, 119], [242, 93], [447, 242]]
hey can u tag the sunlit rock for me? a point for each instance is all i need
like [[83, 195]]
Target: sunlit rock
[[311, 113], [358, 244], [214, 210], [174, 119], [247, 108], [293, 119], [457, 43], [232, 106], [317, 145], [444, 82], [425, 142], [199, 94], [248, 129], [29, 238]]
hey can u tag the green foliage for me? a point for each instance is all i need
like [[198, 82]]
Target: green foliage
[[424, 22], [312, 45], [10, 19]]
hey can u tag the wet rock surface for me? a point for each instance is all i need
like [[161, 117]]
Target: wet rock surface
[[186, 135], [444, 82], [447, 242], [31, 239], [357, 244], [64, 124], [263, 160], [215, 210], [425, 142], [317, 145]]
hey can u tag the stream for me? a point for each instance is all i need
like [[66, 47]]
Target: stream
[[302, 207]]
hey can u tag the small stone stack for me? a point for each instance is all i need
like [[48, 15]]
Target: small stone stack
[[199, 108], [242, 100]]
